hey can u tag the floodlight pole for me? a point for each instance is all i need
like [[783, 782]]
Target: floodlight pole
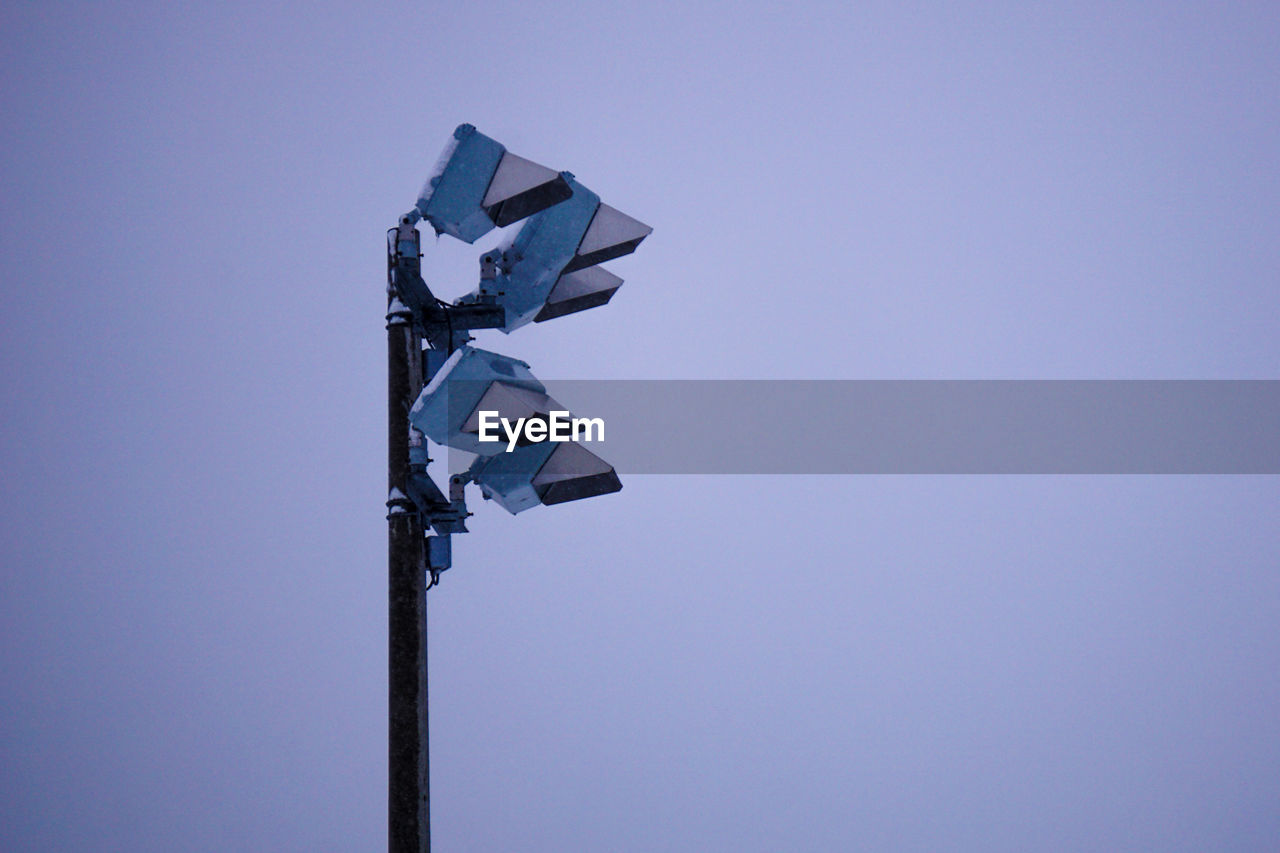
[[414, 504], [476, 186], [408, 789]]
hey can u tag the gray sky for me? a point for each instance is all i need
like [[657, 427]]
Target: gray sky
[[192, 601]]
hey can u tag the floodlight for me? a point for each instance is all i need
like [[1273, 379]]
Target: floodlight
[[549, 268], [478, 184], [473, 388], [472, 381], [543, 473], [578, 291]]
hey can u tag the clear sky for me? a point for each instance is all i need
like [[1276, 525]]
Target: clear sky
[[193, 201]]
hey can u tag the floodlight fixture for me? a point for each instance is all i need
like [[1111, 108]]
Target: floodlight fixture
[[578, 291], [548, 269], [475, 390], [478, 185], [472, 381], [543, 473]]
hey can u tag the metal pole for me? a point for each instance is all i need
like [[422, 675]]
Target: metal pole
[[408, 794]]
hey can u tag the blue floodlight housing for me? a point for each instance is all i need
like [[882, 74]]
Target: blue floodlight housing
[[472, 381], [549, 268], [478, 184], [543, 473]]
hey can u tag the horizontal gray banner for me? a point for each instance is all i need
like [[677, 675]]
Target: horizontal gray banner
[[931, 427]]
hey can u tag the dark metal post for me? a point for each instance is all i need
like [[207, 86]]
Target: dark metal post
[[408, 796]]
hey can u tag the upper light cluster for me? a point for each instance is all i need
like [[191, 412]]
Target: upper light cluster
[[550, 267]]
